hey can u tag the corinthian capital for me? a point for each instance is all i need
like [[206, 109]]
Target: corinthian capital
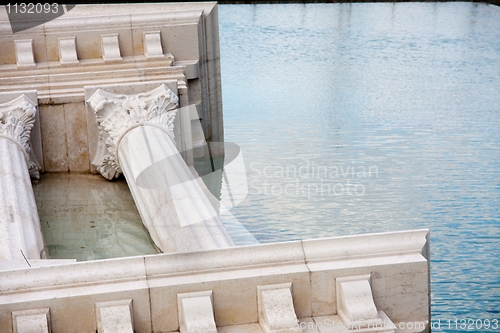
[[117, 114], [17, 118]]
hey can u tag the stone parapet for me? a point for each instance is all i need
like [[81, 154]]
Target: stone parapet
[[397, 265]]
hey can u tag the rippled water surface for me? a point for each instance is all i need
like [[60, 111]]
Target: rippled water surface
[[372, 117]]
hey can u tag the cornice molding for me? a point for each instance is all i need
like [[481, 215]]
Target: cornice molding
[[17, 118], [117, 114]]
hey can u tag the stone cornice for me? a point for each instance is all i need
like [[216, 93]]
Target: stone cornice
[[117, 114], [409, 245], [67, 84], [17, 118]]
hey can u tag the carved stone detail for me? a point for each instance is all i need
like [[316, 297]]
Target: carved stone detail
[[17, 118], [117, 114]]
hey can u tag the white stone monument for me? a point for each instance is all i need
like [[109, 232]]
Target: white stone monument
[[121, 89]]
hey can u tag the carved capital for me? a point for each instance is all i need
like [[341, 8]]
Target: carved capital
[[117, 114], [17, 118]]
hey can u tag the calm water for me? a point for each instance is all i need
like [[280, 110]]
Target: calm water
[[86, 217], [356, 118]]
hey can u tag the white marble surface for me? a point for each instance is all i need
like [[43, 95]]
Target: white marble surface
[[19, 122], [355, 304], [35, 137], [20, 232], [24, 53], [173, 207], [95, 146], [276, 309], [152, 44], [110, 47], [31, 321], [115, 316], [196, 313], [137, 131], [67, 50]]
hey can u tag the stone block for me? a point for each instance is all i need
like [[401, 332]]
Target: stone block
[[115, 316], [67, 50], [355, 304], [31, 321], [76, 137], [24, 53], [110, 47], [196, 314], [55, 152], [152, 45], [276, 309]]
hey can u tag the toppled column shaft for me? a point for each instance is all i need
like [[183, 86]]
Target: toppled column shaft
[[137, 132], [20, 232]]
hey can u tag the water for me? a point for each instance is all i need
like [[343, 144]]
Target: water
[[86, 217], [372, 117]]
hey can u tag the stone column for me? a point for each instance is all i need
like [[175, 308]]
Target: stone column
[[138, 137], [20, 232]]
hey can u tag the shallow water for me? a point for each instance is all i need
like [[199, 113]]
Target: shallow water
[[86, 217], [373, 117]]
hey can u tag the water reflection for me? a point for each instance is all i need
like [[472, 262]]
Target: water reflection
[[409, 88], [86, 217]]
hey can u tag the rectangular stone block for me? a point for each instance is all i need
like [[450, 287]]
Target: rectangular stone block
[[67, 50], [24, 53], [152, 45], [55, 153], [31, 321], [110, 47], [196, 313], [115, 316], [276, 309], [76, 137]]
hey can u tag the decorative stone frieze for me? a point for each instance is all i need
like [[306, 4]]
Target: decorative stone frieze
[[118, 114]]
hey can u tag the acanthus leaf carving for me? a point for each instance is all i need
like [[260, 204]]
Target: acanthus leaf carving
[[17, 118], [116, 114]]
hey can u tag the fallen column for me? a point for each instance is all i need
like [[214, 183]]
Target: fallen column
[[136, 133], [20, 232]]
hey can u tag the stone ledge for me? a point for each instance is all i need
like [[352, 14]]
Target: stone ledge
[[400, 282]]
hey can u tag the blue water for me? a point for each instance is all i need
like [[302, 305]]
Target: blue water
[[372, 117]]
